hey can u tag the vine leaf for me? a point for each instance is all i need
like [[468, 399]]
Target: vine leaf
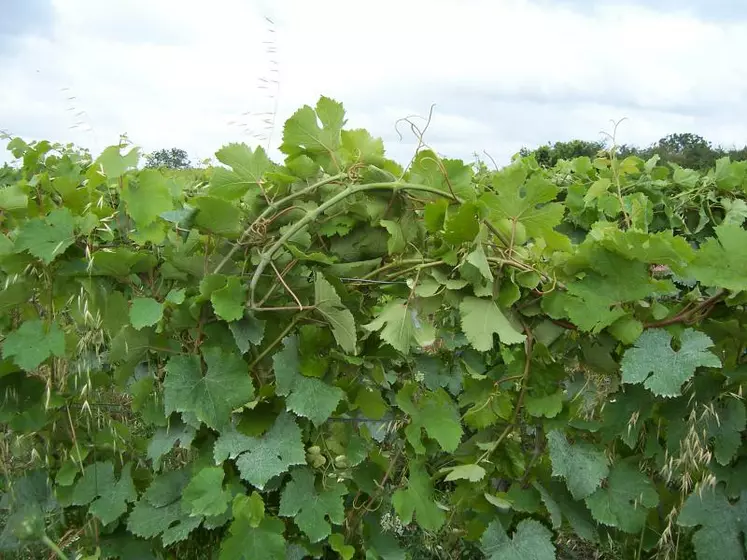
[[306, 396], [145, 312], [47, 238], [516, 199], [310, 508], [246, 542], [205, 495], [481, 318], [473, 473], [417, 499], [582, 466], [625, 500], [329, 304], [212, 397], [247, 331], [721, 523], [530, 541], [160, 510], [303, 135], [663, 370], [259, 459], [32, 343], [396, 325], [230, 300], [436, 413], [165, 438], [107, 496], [147, 198], [726, 427], [722, 261], [247, 169]]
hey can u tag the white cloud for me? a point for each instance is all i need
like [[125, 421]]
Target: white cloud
[[503, 73]]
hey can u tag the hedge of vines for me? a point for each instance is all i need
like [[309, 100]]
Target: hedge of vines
[[338, 357]]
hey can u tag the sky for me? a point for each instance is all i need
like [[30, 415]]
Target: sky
[[501, 74]]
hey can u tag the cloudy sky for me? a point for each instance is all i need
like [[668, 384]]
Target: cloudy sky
[[502, 73]]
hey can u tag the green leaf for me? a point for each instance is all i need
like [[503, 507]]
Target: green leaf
[[113, 164], [434, 215], [248, 169], [245, 542], [337, 543], [397, 323], [599, 187], [524, 202], [446, 175], [531, 541], [145, 312], [164, 439], [47, 238], [481, 318], [217, 216], [726, 427], [212, 397], [230, 300], [308, 397], [259, 459], [582, 466], [205, 495], [396, 242], [548, 406], [13, 197], [247, 331], [478, 259], [436, 413], [303, 133], [417, 499], [721, 524], [473, 473], [329, 304], [32, 343], [663, 370], [147, 198], [251, 507], [722, 261], [108, 497], [462, 225], [625, 500], [310, 508]]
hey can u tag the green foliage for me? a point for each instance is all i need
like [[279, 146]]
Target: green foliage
[[331, 356]]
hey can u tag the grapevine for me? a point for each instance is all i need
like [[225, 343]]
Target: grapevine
[[336, 357]]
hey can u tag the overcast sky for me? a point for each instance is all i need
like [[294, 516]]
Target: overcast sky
[[502, 73]]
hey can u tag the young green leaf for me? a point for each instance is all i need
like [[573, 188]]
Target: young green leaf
[[722, 261], [245, 542], [205, 495], [248, 168], [340, 319], [108, 497], [145, 312], [481, 318], [148, 197]]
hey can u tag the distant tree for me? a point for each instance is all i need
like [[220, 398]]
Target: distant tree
[[549, 155], [175, 158], [685, 149]]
